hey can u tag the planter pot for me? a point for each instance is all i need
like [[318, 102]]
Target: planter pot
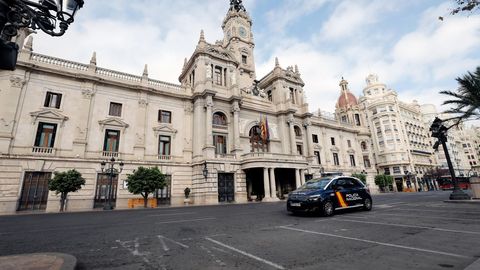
[[186, 201]]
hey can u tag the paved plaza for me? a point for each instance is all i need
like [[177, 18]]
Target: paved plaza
[[403, 231]]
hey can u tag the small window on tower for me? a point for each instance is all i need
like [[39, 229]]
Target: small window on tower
[[244, 59]]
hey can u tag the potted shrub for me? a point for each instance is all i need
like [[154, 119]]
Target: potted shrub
[[186, 191]]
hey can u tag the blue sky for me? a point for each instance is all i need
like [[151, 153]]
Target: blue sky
[[402, 41]]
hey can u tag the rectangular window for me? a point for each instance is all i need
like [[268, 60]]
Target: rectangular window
[[111, 142], [164, 145], [269, 94], [352, 160], [244, 59], [357, 119], [366, 162], [164, 116], [349, 143], [332, 139], [315, 138], [299, 149], [45, 135], [396, 170], [220, 143], [292, 95], [53, 100], [387, 171], [336, 162], [218, 76], [115, 109], [317, 154]]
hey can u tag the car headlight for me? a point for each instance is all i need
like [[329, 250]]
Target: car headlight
[[314, 197]]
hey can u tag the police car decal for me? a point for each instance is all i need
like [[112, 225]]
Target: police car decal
[[352, 197], [340, 199]]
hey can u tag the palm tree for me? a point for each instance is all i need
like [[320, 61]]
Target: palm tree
[[466, 104]]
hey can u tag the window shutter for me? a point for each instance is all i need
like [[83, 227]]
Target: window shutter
[[59, 101]]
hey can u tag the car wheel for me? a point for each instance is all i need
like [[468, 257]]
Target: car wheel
[[327, 209], [367, 204]]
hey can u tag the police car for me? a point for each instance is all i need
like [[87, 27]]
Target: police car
[[325, 195]]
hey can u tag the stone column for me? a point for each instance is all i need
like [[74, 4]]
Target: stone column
[[297, 178], [236, 130], [273, 187], [197, 127], [266, 184], [208, 121], [302, 176], [307, 124], [293, 145]]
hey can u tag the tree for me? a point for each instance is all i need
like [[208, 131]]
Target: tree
[[466, 100], [383, 180], [144, 181], [466, 5], [360, 176], [64, 183]]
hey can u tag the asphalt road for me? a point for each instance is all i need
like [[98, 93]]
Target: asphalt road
[[403, 231]]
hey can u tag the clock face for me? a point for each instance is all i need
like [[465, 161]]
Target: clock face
[[242, 31]]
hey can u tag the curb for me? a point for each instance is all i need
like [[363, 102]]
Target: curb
[[38, 261], [474, 201]]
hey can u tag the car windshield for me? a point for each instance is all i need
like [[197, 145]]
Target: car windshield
[[316, 183]]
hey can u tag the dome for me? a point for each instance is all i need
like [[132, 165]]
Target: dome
[[346, 100]]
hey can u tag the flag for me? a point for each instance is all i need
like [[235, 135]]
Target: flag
[[265, 134]]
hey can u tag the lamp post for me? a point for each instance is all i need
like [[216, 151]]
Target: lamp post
[[51, 16], [111, 172], [439, 131], [205, 171]]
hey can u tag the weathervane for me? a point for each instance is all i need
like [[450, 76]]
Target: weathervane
[[237, 5]]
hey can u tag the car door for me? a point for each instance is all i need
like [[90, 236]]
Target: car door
[[340, 190], [355, 195]]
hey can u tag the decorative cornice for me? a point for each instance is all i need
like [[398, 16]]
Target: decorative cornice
[[113, 122]]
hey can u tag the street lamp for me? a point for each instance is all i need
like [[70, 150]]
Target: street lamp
[[51, 16], [111, 171], [205, 170], [439, 131]]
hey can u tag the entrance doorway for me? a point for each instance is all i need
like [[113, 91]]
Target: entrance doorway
[[255, 188], [226, 187], [399, 184], [163, 195], [101, 190], [286, 182], [34, 191]]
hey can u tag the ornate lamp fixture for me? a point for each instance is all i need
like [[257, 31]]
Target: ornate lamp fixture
[[51, 16]]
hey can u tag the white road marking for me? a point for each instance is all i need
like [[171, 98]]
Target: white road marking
[[161, 237], [377, 243], [434, 217], [441, 211], [135, 250], [184, 220], [172, 214], [245, 253], [164, 245], [408, 226]]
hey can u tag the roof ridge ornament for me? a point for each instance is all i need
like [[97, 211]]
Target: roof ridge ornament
[[237, 5]]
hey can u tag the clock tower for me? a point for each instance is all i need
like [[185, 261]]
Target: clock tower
[[238, 39]]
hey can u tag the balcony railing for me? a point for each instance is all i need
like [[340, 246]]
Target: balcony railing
[[164, 157], [225, 156], [110, 154], [43, 150]]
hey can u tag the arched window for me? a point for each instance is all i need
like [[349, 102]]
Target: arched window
[[257, 144], [364, 146], [298, 131], [219, 120]]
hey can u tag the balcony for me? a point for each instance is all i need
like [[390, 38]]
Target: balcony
[[272, 157], [110, 154], [164, 157], [43, 151], [225, 156]]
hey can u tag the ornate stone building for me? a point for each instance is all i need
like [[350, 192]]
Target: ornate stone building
[[221, 132]]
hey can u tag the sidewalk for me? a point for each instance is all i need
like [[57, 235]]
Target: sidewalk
[[38, 261]]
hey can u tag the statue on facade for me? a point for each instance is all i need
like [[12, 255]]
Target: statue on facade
[[237, 5]]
